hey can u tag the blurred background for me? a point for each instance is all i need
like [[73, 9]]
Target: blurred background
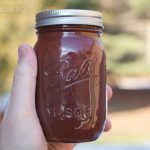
[[127, 40]]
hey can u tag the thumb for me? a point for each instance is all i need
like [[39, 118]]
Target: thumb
[[22, 101]]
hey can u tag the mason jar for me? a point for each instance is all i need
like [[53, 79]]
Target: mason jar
[[71, 79]]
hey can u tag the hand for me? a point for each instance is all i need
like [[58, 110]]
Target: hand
[[20, 128]]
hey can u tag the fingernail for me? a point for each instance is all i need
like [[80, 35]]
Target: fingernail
[[22, 51]]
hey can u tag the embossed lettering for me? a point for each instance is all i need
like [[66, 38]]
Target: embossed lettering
[[78, 113], [68, 113], [72, 75]]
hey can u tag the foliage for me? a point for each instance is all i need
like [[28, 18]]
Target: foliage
[[125, 51], [141, 7], [72, 4], [17, 26]]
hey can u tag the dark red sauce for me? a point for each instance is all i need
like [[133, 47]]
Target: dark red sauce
[[71, 82]]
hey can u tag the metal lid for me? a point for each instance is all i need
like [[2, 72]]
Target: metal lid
[[69, 16]]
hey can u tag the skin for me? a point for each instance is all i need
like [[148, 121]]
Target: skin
[[20, 128]]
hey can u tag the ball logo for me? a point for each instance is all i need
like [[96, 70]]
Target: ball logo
[[70, 76]]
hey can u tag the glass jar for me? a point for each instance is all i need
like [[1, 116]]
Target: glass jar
[[71, 80]]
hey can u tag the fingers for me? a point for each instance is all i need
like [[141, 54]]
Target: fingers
[[108, 125], [109, 92], [22, 101]]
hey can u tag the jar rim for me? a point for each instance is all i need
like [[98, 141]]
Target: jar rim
[[69, 17]]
